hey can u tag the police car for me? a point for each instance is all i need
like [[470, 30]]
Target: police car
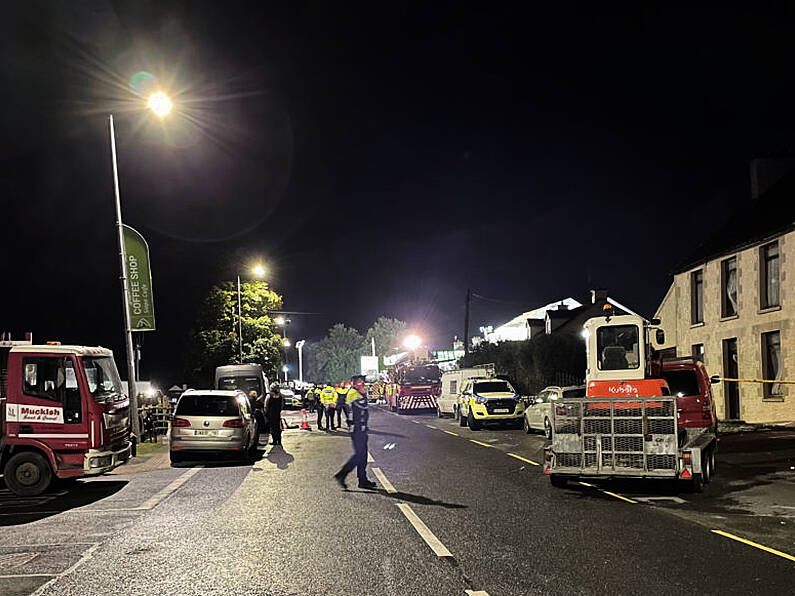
[[489, 400]]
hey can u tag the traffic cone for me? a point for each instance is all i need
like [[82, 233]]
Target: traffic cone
[[304, 422]]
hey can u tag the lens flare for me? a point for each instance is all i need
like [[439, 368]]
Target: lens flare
[[160, 104]]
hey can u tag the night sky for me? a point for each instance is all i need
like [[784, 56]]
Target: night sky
[[379, 158]]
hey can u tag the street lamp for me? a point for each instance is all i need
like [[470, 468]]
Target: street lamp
[[284, 370], [412, 342], [256, 271], [161, 105], [286, 343], [299, 345]]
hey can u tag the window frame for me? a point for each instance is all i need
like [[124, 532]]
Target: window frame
[[764, 275], [695, 355], [725, 303], [770, 390], [696, 318]]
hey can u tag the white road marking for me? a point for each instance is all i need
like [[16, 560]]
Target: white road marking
[[652, 500], [370, 458], [476, 593], [424, 532], [83, 558], [383, 480], [27, 575], [182, 479]]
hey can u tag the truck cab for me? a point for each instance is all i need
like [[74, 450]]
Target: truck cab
[[62, 415]]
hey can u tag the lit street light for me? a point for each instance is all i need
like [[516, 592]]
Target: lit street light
[[286, 343], [412, 342], [257, 271], [161, 105], [285, 368]]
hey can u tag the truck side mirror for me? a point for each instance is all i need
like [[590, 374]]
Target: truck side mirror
[[660, 336]]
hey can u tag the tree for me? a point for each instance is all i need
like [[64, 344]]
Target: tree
[[388, 333], [336, 357], [214, 339]]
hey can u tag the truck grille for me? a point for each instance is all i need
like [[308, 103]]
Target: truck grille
[[497, 404]]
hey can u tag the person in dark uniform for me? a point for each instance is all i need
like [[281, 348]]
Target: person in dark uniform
[[357, 399], [273, 412]]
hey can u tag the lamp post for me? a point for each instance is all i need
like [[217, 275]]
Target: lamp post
[[284, 370], [299, 345], [257, 271], [160, 104]]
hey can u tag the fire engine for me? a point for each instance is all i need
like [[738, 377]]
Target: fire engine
[[62, 414], [414, 385]]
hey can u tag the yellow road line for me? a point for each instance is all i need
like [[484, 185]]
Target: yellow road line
[[524, 459], [431, 426], [449, 432], [617, 496], [479, 443], [755, 545]]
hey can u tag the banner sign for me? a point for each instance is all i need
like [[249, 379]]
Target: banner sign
[[369, 365], [40, 414], [139, 281]]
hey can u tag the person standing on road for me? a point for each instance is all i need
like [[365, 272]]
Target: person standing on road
[[273, 412], [358, 460], [329, 398], [342, 406], [309, 400]]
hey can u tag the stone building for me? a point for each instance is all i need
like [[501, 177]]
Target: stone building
[[732, 305]]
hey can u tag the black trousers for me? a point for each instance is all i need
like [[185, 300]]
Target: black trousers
[[329, 416], [276, 428], [359, 458], [319, 408], [342, 406]]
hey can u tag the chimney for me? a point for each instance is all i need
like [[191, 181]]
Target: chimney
[[598, 295], [563, 306]]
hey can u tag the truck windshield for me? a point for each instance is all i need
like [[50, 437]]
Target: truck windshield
[[103, 378], [617, 347], [422, 374], [493, 387], [246, 384]]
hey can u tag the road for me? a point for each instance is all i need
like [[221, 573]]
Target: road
[[456, 512]]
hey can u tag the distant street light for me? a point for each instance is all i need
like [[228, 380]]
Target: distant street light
[[161, 105], [412, 342], [286, 343], [299, 345], [284, 370], [257, 271]]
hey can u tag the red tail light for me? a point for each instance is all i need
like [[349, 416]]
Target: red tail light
[[234, 423], [179, 422]]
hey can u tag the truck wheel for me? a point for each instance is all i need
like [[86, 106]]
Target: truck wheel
[[461, 420], [28, 474], [547, 429], [526, 426], [472, 423], [558, 481]]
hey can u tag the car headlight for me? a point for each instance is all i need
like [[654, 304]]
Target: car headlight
[[480, 400]]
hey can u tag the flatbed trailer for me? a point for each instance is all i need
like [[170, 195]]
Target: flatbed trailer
[[627, 438]]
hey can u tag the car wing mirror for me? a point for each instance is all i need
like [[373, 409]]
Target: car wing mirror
[[715, 379]]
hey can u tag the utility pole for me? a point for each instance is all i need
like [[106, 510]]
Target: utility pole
[[466, 321], [299, 345]]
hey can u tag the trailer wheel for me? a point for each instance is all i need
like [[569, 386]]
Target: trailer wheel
[[472, 423], [708, 465], [558, 481], [28, 474], [696, 485]]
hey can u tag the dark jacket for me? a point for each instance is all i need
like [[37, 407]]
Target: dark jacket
[[273, 406]]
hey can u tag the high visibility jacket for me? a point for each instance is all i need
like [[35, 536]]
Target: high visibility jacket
[[352, 395], [310, 395], [328, 395]]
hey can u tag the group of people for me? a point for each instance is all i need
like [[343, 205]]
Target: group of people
[[330, 401]]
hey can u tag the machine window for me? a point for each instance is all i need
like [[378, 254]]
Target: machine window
[[617, 347]]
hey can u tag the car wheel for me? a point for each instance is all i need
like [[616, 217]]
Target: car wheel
[[472, 423], [547, 429], [558, 481], [526, 425], [462, 421], [175, 457], [28, 474]]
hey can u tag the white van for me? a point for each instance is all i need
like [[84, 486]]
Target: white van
[[451, 386]]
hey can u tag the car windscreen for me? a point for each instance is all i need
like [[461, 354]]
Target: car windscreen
[[579, 392], [246, 384], [682, 382], [493, 387], [207, 405]]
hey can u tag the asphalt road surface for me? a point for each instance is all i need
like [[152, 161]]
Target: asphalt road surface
[[456, 512]]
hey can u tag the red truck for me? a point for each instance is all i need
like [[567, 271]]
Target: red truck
[[62, 414], [415, 385]]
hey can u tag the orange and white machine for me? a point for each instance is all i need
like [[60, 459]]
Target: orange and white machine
[[627, 425]]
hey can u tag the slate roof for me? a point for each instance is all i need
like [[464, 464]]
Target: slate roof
[[771, 215]]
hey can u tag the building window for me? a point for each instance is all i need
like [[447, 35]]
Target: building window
[[697, 351], [728, 287], [771, 362], [697, 297], [769, 282]]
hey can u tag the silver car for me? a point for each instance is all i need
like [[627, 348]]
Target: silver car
[[213, 421], [538, 413]]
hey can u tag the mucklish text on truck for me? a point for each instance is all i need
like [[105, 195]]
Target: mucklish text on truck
[[629, 424], [62, 415]]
